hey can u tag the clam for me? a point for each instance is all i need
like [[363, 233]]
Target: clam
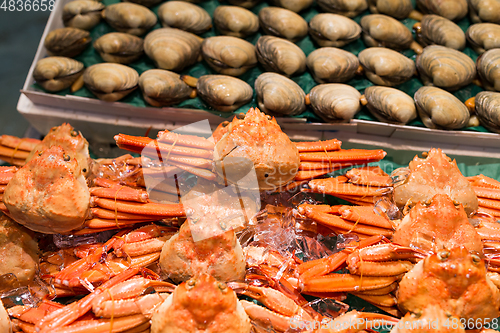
[[235, 21], [483, 36], [293, 5], [172, 49], [146, 3], [279, 95], [333, 30], [487, 108], [384, 31], [229, 55], [162, 88], [82, 14], [488, 68], [280, 55], [434, 29], [119, 47], [399, 9], [57, 73], [110, 82], [244, 3], [185, 16], [129, 17], [331, 65], [389, 105], [444, 67], [334, 102], [484, 11], [223, 93], [386, 67], [439, 109], [349, 8], [451, 9], [67, 42], [282, 23]]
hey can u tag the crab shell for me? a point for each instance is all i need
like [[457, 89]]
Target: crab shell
[[256, 142], [201, 304], [5, 324], [49, 194]]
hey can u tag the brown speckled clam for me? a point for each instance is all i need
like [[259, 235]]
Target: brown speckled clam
[[282, 23], [390, 105], [483, 36], [119, 47], [279, 95], [386, 67], [57, 73], [333, 30], [235, 21], [484, 11], [162, 88], [399, 9], [488, 68], [349, 8], [82, 14], [335, 102], [451, 9], [229, 55], [185, 16], [280, 55], [129, 17], [67, 42], [110, 82], [332, 65], [434, 29]]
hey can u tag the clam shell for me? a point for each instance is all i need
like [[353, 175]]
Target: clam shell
[[172, 49], [438, 30], [390, 105], [335, 102], [280, 55], [293, 5], [386, 67], [384, 31], [110, 82], [483, 36], [57, 73], [282, 23], [185, 16], [129, 17], [445, 68], [119, 47], [278, 95], [244, 3], [333, 30], [396, 8], [332, 65], [82, 14], [451, 9], [235, 21], [224, 93], [67, 42], [229, 55], [162, 88], [488, 68], [488, 110], [439, 109], [146, 3], [484, 11], [349, 8]]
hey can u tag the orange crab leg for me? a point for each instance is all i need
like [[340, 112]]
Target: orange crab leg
[[364, 215], [489, 230], [31, 314], [484, 192], [489, 211], [142, 247], [386, 300], [103, 224], [127, 307], [370, 176], [120, 192], [346, 155], [489, 203], [119, 324], [322, 266], [322, 208], [6, 176], [305, 175], [203, 173], [185, 140], [27, 144], [381, 291], [346, 282], [327, 145], [108, 214], [483, 181], [12, 153], [387, 268], [144, 209], [335, 186]]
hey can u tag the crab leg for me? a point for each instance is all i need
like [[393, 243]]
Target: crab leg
[[485, 192], [27, 144], [381, 291], [203, 173], [380, 300], [387, 268], [489, 230], [370, 176], [383, 252], [144, 209], [364, 215], [489, 211], [185, 140], [32, 315], [346, 283], [108, 214], [483, 181], [310, 174], [335, 186], [489, 203], [105, 224], [120, 192], [317, 146], [126, 307], [347, 155], [119, 324], [6, 174], [143, 247]]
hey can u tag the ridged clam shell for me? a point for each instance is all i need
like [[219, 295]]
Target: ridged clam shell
[[488, 110], [67, 42], [438, 30], [335, 102], [282, 23], [110, 82], [484, 11], [185, 16], [349, 8], [172, 49], [146, 3], [235, 21], [396, 8], [224, 93], [280, 55], [244, 3], [129, 17], [445, 68], [162, 88], [390, 105], [451, 9], [278, 95], [229, 55], [82, 14], [386, 67], [57, 73], [332, 65], [119, 47], [488, 68], [483, 36], [384, 31], [333, 30], [440, 109], [293, 5]]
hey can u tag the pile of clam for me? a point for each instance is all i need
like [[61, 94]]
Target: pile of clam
[[246, 38]]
